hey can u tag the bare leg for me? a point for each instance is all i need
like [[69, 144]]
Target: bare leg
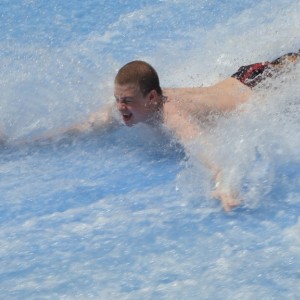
[[284, 60]]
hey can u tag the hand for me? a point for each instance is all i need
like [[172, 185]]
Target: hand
[[224, 192], [228, 199]]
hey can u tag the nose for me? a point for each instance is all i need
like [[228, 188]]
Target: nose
[[121, 106]]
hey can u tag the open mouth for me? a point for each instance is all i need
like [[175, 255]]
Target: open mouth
[[127, 117]]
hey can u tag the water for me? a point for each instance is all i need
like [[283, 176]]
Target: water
[[127, 214]]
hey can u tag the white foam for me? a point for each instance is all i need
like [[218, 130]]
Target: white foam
[[118, 216]]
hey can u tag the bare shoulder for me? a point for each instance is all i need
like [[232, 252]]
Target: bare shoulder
[[201, 101], [100, 120], [179, 122], [100, 117], [179, 94]]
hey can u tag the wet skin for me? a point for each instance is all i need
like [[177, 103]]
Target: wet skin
[[133, 106]]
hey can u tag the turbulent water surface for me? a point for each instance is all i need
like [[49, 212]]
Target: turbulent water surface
[[127, 214]]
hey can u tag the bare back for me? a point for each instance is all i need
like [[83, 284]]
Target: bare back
[[185, 105]]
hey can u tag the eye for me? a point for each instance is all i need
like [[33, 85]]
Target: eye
[[127, 100]]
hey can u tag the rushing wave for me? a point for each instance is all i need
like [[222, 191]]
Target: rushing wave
[[128, 213]]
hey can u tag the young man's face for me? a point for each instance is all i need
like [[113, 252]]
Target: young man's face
[[132, 105]]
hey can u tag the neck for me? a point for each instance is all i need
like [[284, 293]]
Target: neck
[[157, 112]]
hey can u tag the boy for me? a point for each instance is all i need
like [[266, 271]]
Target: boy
[[139, 98]]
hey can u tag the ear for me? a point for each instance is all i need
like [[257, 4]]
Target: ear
[[153, 96]]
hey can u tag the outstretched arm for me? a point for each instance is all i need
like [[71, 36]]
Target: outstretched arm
[[223, 188], [96, 122], [188, 132]]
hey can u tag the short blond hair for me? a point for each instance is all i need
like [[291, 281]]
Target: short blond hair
[[141, 74]]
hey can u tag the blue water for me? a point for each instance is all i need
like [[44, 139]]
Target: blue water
[[127, 213]]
